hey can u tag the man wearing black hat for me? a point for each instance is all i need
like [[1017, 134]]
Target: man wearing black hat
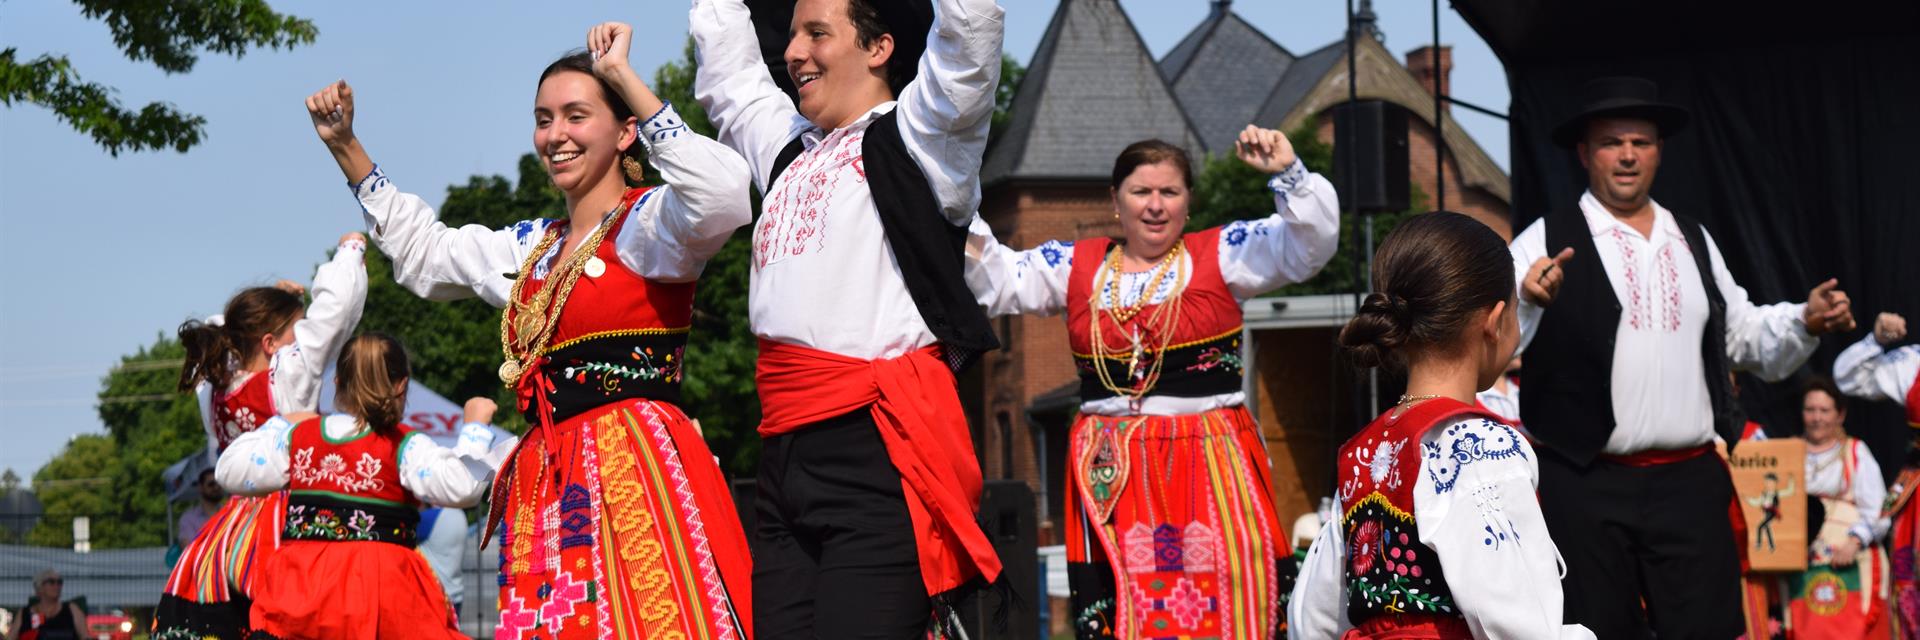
[[1630, 323], [868, 480]]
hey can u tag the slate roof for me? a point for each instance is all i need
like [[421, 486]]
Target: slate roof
[[1092, 88], [1222, 73], [1299, 80]]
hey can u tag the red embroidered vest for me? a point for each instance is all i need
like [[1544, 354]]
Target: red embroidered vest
[[348, 490], [244, 409], [621, 336], [1201, 359], [1391, 575]]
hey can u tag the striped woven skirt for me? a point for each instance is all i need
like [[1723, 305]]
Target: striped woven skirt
[[618, 524], [1171, 530], [211, 587]]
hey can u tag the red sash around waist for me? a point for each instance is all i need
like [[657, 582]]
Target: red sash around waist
[[914, 402], [1657, 457]]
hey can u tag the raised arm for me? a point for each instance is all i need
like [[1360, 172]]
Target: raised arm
[[945, 111], [749, 112], [672, 231], [1257, 256], [1867, 370], [432, 260], [1770, 340], [1475, 505], [339, 296], [457, 476], [1007, 282]]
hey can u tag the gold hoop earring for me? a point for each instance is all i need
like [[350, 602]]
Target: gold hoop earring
[[635, 171]]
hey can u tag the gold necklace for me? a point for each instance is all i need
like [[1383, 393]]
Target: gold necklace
[[1164, 319], [1407, 399], [1123, 313], [527, 327]]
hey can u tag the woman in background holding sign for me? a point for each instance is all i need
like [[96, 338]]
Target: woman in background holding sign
[[1843, 592]]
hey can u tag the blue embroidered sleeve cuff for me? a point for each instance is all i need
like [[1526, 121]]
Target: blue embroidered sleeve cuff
[[373, 182], [665, 125], [1289, 178]]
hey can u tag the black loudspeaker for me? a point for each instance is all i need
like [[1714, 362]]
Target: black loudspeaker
[[1372, 136], [1006, 514]]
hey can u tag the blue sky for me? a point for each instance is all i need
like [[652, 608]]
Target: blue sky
[[103, 254]]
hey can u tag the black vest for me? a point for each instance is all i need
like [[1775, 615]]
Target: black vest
[[930, 251], [1568, 377]]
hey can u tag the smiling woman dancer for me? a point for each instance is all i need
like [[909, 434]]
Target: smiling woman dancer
[[265, 356], [1167, 491], [618, 521]]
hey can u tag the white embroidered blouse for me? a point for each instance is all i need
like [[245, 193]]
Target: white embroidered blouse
[[668, 235], [1256, 256], [296, 371], [1659, 400], [819, 242], [1480, 514], [257, 463], [1869, 371]]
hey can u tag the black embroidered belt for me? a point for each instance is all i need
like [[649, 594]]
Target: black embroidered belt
[[592, 371], [327, 517], [1205, 367]]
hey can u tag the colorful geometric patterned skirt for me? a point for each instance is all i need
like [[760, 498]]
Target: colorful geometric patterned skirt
[[1171, 531], [618, 524], [210, 590]]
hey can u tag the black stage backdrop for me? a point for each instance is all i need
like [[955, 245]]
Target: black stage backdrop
[[1801, 158]]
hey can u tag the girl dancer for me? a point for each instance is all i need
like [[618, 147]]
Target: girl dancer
[[618, 521], [1438, 534], [265, 356], [347, 568]]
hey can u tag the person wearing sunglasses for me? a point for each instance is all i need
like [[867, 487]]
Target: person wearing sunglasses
[[46, 617]]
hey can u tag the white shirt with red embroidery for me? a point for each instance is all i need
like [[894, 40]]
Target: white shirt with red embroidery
[[257, 462], [668, 236], [1869, 371], [296, 371], [823, 274], [1660, 399]]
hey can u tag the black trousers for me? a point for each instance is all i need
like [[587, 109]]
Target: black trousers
[[834, 552], [1650, 551]]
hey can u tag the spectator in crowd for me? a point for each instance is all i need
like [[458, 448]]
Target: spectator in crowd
[[46, 617], [212, 497]]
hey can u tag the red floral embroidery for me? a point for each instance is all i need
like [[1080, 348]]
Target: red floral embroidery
[[1670, 289], [794, 216], [1365, 547], [1637, 314]]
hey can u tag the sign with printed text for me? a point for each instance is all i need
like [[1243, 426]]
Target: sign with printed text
[[1770, 478]]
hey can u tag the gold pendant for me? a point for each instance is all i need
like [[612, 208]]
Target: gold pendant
[[510, 372]]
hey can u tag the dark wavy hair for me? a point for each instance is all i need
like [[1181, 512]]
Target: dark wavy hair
[[579, 61], [212, 350], [1432, 274]]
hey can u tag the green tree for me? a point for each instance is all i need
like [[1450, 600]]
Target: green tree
[[71, 485], [170, 34], [1226, 190], [150, 425]]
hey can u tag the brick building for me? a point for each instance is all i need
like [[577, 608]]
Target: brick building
[[1092, 88]]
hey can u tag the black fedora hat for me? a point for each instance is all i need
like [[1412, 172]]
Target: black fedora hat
[[1620, 97], [908, 21]]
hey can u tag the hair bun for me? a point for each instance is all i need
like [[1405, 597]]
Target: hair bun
[[1377, 329]]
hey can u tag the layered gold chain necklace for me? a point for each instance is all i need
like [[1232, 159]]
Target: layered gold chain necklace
[[1142, 375], [527, 327]]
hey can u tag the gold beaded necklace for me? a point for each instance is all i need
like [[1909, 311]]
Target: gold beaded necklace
[[527, 327], [1165, 317]]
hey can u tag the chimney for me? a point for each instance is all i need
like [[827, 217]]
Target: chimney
[[1420, 64]]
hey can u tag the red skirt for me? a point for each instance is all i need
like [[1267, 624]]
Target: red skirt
[[313, 589], [1172, 527], [618, 524]]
